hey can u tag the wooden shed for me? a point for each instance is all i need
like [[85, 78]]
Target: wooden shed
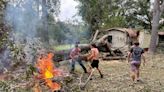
[[118, 37]]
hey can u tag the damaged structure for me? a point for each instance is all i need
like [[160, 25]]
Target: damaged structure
[[119, 39], [113, 43]]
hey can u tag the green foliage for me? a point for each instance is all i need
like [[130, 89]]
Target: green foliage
[[30, 71], [67, 32], [63, 47], [114, 21], [92, 12], [3, 29], [4, 87], [115, 13], [11, 86], [4, 32], [50, 9], [140, 15]]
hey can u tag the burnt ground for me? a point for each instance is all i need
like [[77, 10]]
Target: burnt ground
[[117, 79]]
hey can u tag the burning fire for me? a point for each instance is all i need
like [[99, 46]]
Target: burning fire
[[47, 71]]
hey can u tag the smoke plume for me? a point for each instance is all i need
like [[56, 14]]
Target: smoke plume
[[24, 17]]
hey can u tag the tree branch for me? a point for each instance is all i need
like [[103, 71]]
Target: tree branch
[[84, 84], [95, 35]]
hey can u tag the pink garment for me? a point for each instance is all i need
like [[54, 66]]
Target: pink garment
[[135, 65], [75, 52]]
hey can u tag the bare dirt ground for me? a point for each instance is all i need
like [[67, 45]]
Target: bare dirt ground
[[117, 79]]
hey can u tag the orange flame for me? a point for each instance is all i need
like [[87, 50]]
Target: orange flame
[[47, 71]]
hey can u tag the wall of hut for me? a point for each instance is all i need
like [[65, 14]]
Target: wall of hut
[[119, 38]]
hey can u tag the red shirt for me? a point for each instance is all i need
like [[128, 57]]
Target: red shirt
[[75, 52]]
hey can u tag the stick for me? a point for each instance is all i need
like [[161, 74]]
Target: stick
[[81, 78], [83, 86], [80, 81], [95, 35]]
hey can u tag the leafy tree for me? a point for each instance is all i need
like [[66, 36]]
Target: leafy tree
[[67, 32], [103, 13], [49, 8], [116, 13], [92, 12]]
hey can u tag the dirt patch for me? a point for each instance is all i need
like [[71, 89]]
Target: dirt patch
[[117, 79]]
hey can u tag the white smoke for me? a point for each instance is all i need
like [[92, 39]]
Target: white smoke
[[24, 18]]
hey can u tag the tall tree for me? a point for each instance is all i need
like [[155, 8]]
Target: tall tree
[[115, 13], [138, 13], [92, 12], [45, 22], [49, 8], [157, 11]]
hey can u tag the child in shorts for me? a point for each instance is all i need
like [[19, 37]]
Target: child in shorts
[[94, 58], [135, 55]]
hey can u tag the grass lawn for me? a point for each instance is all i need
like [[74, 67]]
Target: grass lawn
[[63, 47], [66, 46]]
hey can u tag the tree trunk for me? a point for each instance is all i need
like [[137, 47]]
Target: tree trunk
[[45, 21], [155, 25], [95, 35]]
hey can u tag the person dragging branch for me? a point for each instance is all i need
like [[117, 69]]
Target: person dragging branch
[[74, 55], [134, 58], [94, 58]]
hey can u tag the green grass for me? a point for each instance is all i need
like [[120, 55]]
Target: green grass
[[63, 47]]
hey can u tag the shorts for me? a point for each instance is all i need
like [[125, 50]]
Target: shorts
[[135, 65], [95, 64]]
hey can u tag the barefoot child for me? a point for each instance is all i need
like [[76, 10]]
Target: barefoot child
[[94, 58], [135, 55]]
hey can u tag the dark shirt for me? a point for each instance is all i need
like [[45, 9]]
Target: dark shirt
[[136, 53]]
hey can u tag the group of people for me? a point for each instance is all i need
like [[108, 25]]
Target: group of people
[[134, 58], [93, 56]]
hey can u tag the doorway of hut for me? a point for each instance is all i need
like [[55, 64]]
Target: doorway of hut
[[110, 38], [161, 40]]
